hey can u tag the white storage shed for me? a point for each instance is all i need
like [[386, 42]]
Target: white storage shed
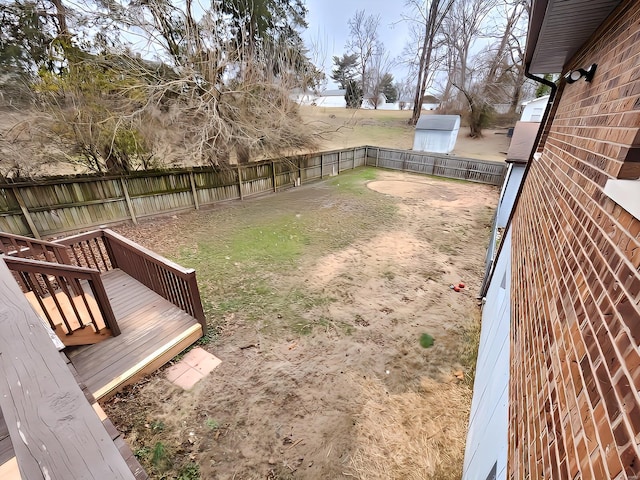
[[436, 133]]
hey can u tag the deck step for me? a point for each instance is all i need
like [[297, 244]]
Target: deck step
[[9, 470], [151, 363], [83, 331]]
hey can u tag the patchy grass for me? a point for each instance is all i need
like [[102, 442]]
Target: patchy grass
[[236, 264], [353, 182], [317, 298]]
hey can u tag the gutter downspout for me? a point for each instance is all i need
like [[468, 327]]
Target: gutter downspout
[[541, 130]]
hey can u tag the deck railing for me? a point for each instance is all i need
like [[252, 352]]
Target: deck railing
[[48, 280], [24, 247], [54, 431], [105, 250]]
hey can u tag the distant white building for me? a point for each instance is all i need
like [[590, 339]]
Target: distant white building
[[335, 99], [369, 102], [501, 108], [331, 98], [429, 102], [436, 133], [302, 97], [328, 98]]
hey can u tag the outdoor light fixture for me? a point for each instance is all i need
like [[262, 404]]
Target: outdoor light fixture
[[575, 75]]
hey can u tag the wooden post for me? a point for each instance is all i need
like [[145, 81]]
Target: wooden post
[[240, 189], [299, 171], [353, 160], [273, 176], [339, 159], [321, 164], [128, 199], [377, 155], [55, 433], [240, 183], [196, 302], [193, 190], [25, 212]]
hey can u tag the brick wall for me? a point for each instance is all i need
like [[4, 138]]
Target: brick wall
[[575, 365]]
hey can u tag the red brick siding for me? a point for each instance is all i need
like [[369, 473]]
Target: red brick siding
[[575, 365]]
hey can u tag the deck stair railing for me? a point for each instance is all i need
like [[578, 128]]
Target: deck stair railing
[[105, 250], [70, 298], [25, 247], [62, 278]]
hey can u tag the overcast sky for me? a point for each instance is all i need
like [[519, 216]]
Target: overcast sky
[[328, 27]]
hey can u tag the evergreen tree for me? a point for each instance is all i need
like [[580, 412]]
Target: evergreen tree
[[543, 89], [345, 69], [23, 38], [388, 88], [353, 95]]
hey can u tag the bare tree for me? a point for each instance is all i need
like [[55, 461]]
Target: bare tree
[[380, 67], [505, 59], [464, 25], [429, 16], [363, 42], [219, 87], [405, 89]]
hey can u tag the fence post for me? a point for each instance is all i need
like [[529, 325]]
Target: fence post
[[193, 190], [273, 176], [240, 183], [339, 160], [321, 164], [353, 160], [377, 156], [128, 200], [25, 212]]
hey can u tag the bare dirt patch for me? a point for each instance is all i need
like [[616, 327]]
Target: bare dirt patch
[[319, 296]]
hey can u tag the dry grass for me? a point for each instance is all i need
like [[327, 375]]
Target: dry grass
[[416, 435]]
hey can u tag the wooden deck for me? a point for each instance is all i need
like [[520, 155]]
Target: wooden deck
[[153, 330], [8, 465]]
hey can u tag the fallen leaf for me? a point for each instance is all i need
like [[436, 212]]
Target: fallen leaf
[[426, 340]]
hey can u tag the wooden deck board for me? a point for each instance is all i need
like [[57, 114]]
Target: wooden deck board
[[6, 447], [104, 369], [49, 408], [150, 327]]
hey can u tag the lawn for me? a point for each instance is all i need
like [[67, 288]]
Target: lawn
[[317, 299]]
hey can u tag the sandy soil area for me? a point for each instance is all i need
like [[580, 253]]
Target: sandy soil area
[[350, 398]]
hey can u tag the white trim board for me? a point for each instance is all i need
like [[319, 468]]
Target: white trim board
[[625, 193]]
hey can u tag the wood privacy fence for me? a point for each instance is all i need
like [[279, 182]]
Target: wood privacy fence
[[439, 165], [56, 205]]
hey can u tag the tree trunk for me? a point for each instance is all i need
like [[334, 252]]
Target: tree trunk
[[61, 16], [425, 61], [432, 26]]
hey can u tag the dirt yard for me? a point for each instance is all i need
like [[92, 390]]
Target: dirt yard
[[317, 298]]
